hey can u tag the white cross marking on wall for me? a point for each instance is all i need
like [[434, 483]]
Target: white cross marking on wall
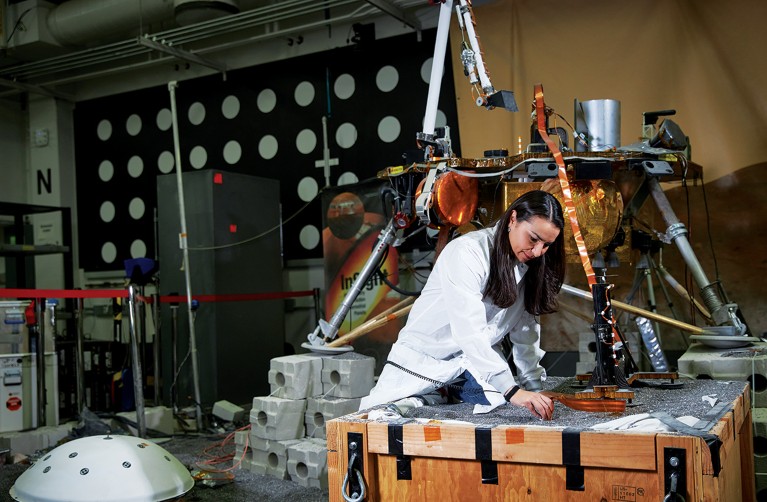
[[326, 161]]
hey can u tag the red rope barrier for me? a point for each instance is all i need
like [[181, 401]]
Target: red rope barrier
[[123, 293], [63, 293], [235, 298]]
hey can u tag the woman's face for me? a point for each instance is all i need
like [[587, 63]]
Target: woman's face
[[530, 239]]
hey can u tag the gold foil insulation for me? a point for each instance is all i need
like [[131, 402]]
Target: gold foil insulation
[[598, 204]]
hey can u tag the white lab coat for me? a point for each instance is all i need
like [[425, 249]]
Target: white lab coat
[[452, 328]]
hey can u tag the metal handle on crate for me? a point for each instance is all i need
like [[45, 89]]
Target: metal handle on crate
[[672, 495], [355, 497]]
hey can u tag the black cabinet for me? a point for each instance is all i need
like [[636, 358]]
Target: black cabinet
[[233, 223]]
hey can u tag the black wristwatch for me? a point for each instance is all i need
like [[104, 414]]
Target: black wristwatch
[[511, 393]]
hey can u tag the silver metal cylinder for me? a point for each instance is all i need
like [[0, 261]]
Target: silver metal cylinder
[[40, 362], [599, 121], [79, 356], [138, 379], [174, 354], [156, 348], [386, 237]]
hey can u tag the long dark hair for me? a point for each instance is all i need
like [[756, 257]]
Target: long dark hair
[[545, 274]]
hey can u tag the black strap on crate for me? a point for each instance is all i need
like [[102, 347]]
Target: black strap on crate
[[483, 447], [571, 458], [397, 447]]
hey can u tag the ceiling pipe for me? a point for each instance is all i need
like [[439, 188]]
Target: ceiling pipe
[[249, 20], [122, 55], [81, 22], [196, 11]]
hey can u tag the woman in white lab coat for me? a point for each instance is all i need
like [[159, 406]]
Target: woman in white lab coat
[[484, 284]]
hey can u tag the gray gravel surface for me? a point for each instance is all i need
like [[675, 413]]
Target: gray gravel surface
[[687, 400]]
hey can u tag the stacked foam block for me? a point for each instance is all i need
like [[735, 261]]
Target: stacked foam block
[[287, 428], [738, 364]]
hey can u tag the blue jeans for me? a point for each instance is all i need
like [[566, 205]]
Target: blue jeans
[[466, 389]]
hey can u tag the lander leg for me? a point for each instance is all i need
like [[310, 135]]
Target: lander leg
[[329, 329], [725, 315]]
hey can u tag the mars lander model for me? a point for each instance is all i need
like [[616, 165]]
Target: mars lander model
[[601, 184]]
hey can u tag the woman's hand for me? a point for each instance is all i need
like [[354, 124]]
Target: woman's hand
[[540, 405]]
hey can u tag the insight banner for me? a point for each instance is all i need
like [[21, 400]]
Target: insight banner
[[353, 219]]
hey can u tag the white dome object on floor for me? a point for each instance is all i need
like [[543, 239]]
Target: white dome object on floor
[[104, 469]]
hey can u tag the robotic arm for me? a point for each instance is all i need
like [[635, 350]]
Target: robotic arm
[[474, 65], [474, 68]]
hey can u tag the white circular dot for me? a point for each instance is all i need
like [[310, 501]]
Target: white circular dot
[[387, 78], [196, 113], [198, 157], [133, 125], [232, 152], [107, 211], [106, 170], [135, 166], [426, 70], [441, 119], [138, 249], [230, 107], [104, 130], [304, 93], [347, 178], [309, 237], [307, 189], [346, 135], [136, 208], [306, 141], [164, 119], [267, 147], [344, 86], [389, 129], [266, 100], [165, 162], [108, 252]]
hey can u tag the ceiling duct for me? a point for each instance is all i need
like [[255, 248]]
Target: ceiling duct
[[189, 12], [258, 21], [81, 22]]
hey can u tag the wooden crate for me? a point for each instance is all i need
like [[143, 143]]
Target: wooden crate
[[450, 461]]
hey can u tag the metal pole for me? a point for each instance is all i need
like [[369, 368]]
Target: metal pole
[[174, 354], [585, 295], [79, 363], [156, 347], [40, 349], [185, 250], [138, 388], [141, 325], [317, 309], [437, 68], [651, 302]]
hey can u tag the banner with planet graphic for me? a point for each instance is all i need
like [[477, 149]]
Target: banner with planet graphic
[[353, 219]]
